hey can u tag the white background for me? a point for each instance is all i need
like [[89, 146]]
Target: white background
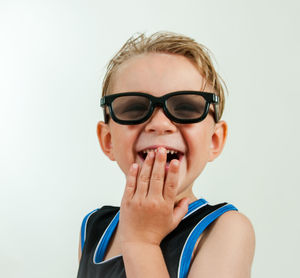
[[52, 172]]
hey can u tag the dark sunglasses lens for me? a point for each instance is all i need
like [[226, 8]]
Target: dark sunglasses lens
[[128, 108], [186, 107]]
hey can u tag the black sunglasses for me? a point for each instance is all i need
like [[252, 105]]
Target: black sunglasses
[[181, 107]]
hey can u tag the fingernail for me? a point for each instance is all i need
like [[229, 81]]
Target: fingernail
[[151, 154], [162, 150], [134, 167], [175, 162]]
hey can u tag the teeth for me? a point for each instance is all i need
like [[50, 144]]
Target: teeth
[[155, 150]]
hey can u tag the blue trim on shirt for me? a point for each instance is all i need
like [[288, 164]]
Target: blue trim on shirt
[[195, 205], [194, 235], [101, 248], [83, 227]]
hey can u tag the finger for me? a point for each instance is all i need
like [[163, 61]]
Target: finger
[[180, 210], [144, 176], [158, 173], [171, 183], [131, 182]]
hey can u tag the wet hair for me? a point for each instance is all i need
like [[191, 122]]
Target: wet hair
[[170, 43]]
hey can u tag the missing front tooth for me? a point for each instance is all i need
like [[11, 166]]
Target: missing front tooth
[[172, 156]]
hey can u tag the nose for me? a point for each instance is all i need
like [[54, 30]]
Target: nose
[[159, 123]]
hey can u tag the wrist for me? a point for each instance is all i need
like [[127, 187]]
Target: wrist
[[139, 245], [142, 259]]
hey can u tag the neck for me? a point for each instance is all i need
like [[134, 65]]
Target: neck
[[188, 193]]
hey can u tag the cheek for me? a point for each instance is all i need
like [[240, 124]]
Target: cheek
[[123, 140], [198, 143]]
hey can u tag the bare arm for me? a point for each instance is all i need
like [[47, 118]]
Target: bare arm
[[227, 249]]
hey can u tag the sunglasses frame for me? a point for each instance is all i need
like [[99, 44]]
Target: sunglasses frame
[[210, 98]]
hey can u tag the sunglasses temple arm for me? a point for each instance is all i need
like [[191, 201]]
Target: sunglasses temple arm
[[105, 116], [216, 108]]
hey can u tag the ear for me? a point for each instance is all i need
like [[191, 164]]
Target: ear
[[104, 137], [218, 140]]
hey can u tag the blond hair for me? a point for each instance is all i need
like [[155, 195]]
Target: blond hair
[[172, 43]]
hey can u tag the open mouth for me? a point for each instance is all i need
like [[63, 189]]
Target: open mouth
[[171, 154]]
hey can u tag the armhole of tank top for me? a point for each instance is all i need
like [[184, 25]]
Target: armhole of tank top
[[188, 248], [104, 241], [84, 226]]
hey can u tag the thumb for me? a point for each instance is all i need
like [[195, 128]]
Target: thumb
[[180, 210]]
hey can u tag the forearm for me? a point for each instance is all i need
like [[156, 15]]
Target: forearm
[[144, 260]]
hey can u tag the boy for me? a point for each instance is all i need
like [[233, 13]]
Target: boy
[[162, 103]]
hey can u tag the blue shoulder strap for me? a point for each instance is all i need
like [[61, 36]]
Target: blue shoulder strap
[[104, 240], [83, 227]]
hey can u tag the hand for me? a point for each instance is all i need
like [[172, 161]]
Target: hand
[[148, 211]]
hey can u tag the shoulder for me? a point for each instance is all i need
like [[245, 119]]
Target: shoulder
[[233, 223], [228, 243]]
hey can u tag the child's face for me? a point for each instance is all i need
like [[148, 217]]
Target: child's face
[[159, 74]]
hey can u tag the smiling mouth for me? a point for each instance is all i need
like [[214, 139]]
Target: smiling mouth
[[171, 154]]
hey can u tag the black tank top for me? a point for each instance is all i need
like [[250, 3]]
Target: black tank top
[[177, 247]]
